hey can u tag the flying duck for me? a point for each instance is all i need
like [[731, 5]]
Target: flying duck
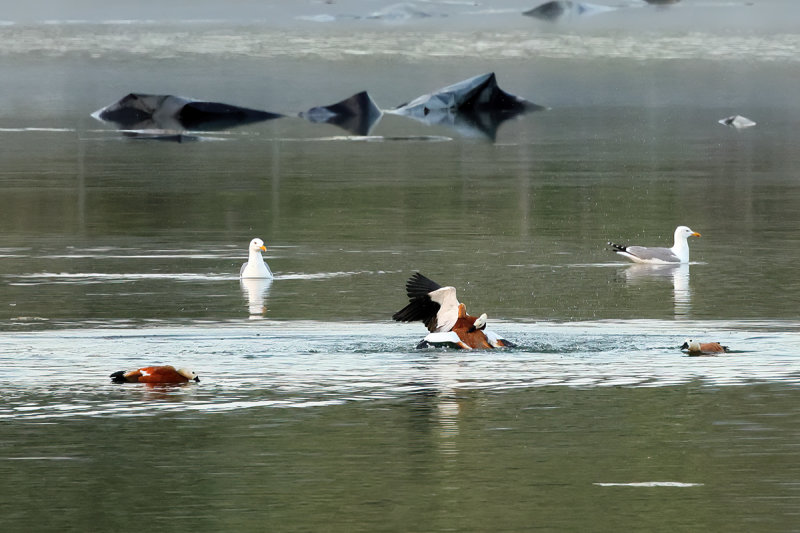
[[445, 317], [694, 347], [679, 253], [255, 267], [154, 374]]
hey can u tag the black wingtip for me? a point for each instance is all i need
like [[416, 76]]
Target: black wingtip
[[418, 286], [617, 247], [417, 309], [420, 306], [118, 377]]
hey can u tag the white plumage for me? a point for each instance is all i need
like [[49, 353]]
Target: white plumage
[[679, 253], [448, 311], [255, 267]]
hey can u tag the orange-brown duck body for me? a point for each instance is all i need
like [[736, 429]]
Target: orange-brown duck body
[[445, 317], [694, 347], [467, 331], [165, 374]]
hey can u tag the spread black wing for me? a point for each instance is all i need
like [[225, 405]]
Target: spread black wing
[[420, 306]]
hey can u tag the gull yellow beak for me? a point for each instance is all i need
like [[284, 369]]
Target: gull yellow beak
[[695, 234], [264, 248]]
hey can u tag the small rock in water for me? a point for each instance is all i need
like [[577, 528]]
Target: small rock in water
[[737, 121]]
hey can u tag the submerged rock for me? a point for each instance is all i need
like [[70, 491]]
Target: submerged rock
[[473, 106], [168, 112], [357, 114], [556, 10], [737, 121]]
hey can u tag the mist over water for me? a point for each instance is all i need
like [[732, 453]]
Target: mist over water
[[314, 411]]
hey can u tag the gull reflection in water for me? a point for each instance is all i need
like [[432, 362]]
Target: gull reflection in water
[[256, 291], [678, 274]]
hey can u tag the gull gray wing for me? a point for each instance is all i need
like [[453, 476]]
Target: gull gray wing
[[645, 253]]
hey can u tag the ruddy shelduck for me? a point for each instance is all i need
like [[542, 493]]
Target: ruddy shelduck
[[694, 347], [155, 374], [445, 317]]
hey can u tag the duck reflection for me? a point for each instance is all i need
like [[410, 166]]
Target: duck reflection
[[256, 290], [678, 274], [438, 404], [436, 414], [448, 411]]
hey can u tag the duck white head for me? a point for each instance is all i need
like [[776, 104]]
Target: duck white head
[[188, 374], [691, 345]]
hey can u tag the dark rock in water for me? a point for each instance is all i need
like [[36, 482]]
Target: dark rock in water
[[549, 11], [213, 115], [357, 114], [553, 11], [473, 106], [737, 121], [168, 112], [480, 93]]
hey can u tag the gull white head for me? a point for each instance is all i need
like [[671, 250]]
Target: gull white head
[[255, 267], [188, 374], [257, 246], [681, 247], [480, 322], [684, 232]]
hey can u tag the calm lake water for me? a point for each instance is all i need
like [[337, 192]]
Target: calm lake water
[[314, 411]]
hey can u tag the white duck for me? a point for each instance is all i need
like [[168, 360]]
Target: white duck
[[255, 267]]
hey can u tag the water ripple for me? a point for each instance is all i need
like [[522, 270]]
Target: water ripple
[[60, 374]]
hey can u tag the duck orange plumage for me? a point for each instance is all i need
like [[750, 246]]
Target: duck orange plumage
[[445, 317], [694, 347], [469, 332], [155, 374]]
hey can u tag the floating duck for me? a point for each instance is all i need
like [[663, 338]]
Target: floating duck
[[255, 267], [155, 374], [694, 347], [679, 253], [446, 318]]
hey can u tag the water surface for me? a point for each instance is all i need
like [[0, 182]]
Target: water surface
[[314, 412]]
